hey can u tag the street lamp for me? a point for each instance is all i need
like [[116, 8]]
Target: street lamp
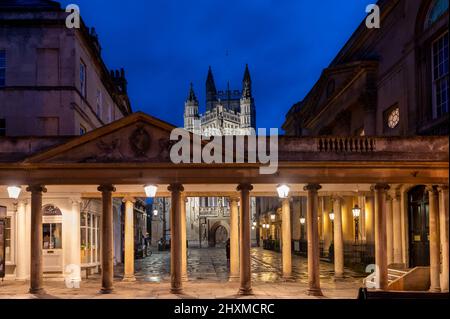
[[14, 192], [331, 215], [303, 220], [155, 212], [150, 190], [273, 216], [356, 213], [283, 191]]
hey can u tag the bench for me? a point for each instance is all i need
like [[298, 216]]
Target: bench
[[88, 268], [365, 294]]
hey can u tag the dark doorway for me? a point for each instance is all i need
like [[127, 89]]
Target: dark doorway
[[419, 245]]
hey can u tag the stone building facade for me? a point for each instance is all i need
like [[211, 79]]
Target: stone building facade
[[52, 77], [391, 81], [54, 83], [383, 82]]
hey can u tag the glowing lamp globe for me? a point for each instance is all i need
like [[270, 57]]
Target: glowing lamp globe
[[14, 192], [150, 190]]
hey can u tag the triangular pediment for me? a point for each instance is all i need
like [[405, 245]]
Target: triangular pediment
[[135, 138], [333, 81]]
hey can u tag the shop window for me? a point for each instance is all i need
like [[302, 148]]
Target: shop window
[[52, 236], [90, 238], [8, 252]]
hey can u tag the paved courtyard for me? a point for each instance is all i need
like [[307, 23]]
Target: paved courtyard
[[208, 278]]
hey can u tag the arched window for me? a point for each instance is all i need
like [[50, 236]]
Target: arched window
[[438, 8]]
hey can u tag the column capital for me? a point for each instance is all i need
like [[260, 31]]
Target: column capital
[[234, 198], [245, 187], [381, 187], [431, 189], [36, 188], [75, 201], [312, 187], [129, 198], [442, 188], [175, 187], [336, 198], [106, 188]]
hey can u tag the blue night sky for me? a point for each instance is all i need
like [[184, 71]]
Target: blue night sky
[[165, 44]]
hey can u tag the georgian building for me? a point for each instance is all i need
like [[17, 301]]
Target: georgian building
[[391, 81], [54, 85], [51, 77]]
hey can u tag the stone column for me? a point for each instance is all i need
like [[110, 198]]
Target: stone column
[[434, 239], [176, 269], [397, 227], [286, 238], [184, 274], [313, 240], [73, 231], [36, 280], [245, 260], [234, 238], [338, 239], [443, 222], [23, 248], [404, 223], [107, 239], [389, 230], [381, 269], [129, 239]]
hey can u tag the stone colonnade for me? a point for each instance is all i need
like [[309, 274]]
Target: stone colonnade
[[240, 259]]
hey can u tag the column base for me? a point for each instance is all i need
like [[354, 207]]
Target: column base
[[245, 291], [435, 290], [176, 291], [233, 278], [184, 278], [106, 291], [37, 291], [129, 278], [314, 292], [339, 277], [288, 278]]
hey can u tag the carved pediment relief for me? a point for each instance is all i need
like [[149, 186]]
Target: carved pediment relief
[[136, 138]]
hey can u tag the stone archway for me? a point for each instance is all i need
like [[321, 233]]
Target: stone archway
[[219, 234]]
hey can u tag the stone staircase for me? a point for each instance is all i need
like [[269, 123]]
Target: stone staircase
[[403, 279], [393, 275]]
